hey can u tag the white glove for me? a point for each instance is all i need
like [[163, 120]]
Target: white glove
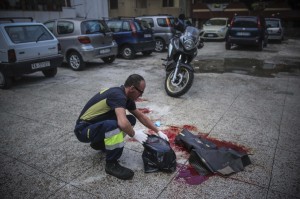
[[162, 135], [140, 136]]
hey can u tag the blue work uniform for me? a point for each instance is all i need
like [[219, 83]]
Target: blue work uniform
[[97, 122]]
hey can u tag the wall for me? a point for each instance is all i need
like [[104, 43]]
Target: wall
[[79, 8], [40, 16], [128, 8], [91, 8]]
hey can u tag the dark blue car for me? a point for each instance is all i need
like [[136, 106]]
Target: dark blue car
[[132, 36]]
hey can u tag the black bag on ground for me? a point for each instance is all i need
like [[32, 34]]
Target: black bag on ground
[[207, 158], [158, 155]]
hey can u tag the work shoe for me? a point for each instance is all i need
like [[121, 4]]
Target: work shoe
[[115, 169]]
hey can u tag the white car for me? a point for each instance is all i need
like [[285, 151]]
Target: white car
[[215, 29], [275, 29], [26, 47]]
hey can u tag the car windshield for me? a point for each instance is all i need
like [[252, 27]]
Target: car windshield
[[28, 33], [94, 26], [272, 23], [216, 22]]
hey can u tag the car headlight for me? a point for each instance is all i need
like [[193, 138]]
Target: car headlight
[[222, 29], [188, 44]]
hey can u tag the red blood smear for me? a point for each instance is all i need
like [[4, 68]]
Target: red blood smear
[[189, 127], [144, 110], [234, 146], [188, 173], [191, 176]]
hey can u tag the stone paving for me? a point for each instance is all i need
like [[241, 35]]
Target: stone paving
[[41, 157]]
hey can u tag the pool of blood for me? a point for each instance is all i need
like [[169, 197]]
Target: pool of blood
[[187, 173]]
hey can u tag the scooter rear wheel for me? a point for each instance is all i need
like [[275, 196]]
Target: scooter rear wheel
[[182, 83]]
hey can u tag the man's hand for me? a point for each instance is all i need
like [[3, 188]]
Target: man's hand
[[162, 135], [140, 136]]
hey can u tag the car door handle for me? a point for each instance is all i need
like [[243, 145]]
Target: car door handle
[[22, 52], [51, 48]]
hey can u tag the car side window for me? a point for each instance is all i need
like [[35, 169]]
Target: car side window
[[126, 26], [65, 27], [149, 21], [162, 22], [115, 26], [50, 25]]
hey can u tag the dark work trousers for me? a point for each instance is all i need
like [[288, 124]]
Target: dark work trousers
[[104, 133]]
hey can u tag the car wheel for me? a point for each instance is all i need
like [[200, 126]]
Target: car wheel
[[50, 72], [159, 45], [5, 81], [75, 61], [265, 43], [127, 52], [227, 45], [109, 59], [146, 53]]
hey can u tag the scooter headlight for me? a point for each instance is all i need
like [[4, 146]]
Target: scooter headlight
[[189, 44]]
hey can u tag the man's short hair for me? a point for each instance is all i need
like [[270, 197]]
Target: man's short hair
[[133, 80]]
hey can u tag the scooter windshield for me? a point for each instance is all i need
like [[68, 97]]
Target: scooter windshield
[[190, 37], [192, 33]]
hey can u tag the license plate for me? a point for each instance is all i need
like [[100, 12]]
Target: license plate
[[147, 35], [243, 34], [210, 35], [40, 65], [104, 51]]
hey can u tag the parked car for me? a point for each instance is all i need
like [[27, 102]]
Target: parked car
[[163, 29], [26, 47], [215, 29], [132, 37], [83, 40], [247, 30], [275, 29]]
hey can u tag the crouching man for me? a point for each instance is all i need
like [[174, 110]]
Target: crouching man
[[103, 123]]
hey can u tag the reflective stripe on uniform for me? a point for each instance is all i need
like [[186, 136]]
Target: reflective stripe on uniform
[[88, 134], [114, 139]]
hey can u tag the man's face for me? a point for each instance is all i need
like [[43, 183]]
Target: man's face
[[137, 91]]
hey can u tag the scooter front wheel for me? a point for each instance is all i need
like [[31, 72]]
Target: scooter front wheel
[[183, 82]]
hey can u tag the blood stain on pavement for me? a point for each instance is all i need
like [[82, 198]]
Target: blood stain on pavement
[[187, 172], [191, 176]]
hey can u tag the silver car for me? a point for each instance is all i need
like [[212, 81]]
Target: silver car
[[215, 29], [163, 29], [83, 40], [275, 29]]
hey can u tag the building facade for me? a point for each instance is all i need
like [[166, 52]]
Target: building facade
[[132, 8], [43, 10]]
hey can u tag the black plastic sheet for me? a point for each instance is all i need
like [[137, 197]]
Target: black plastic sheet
[[207, 158], [158, 155]]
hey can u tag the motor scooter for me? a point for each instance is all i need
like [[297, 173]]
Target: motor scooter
[[182, 50]]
